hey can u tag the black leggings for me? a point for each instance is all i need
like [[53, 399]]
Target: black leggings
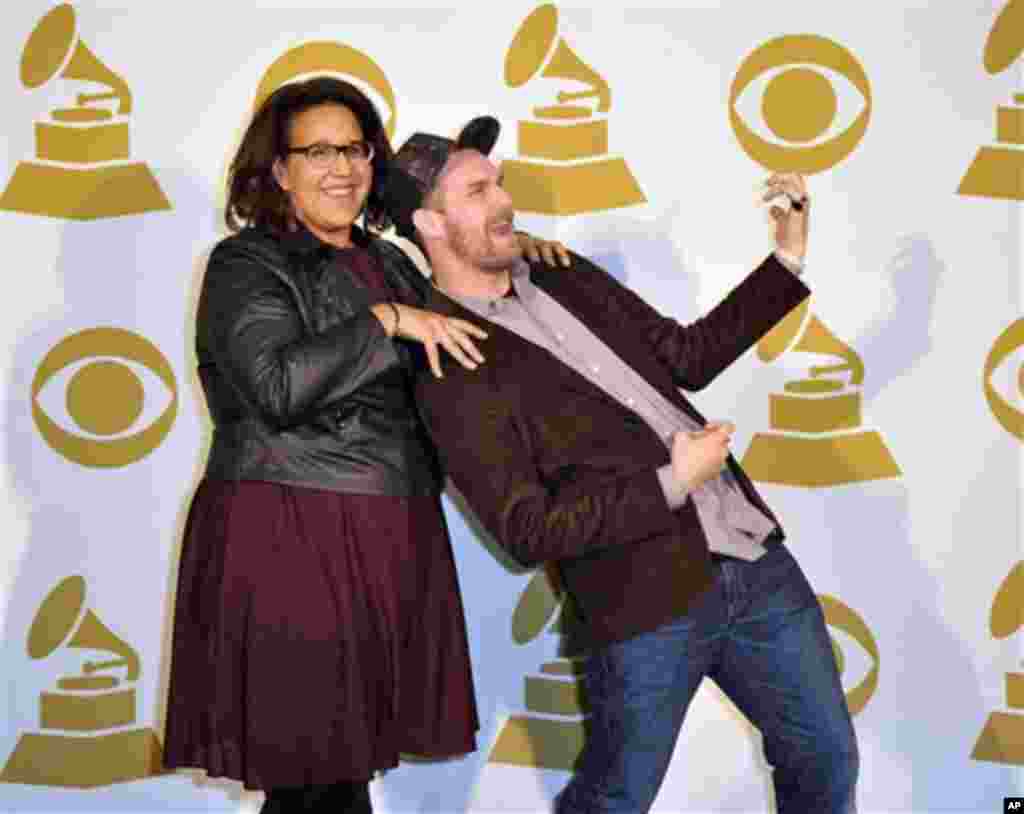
[[337, 798]]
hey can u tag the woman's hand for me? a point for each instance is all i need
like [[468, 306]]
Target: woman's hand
[[431, 330], [553, 252]]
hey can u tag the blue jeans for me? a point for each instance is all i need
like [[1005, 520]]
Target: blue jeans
[[760, 634]]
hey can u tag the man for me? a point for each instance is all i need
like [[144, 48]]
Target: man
[[572, 443]]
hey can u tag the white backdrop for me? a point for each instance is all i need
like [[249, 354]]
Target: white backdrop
[[917, 280]]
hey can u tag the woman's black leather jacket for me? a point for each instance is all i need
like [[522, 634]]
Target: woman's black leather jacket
[[302, 383]]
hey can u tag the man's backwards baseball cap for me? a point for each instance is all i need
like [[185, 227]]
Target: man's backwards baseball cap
[[416, 166]]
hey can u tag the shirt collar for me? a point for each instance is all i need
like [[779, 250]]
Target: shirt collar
[[522, 284]]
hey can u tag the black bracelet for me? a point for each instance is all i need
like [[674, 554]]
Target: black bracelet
[[398, 317], [798, 203]]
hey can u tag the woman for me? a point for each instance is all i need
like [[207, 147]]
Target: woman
[[318, 629]]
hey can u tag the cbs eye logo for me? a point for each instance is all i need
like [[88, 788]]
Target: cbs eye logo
[[1008, 415], [104, 397], [851, 662], [803, 81]]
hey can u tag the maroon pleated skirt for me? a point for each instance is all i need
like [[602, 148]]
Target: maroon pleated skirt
[[317, 636]]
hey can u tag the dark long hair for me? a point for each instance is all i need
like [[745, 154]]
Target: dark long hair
[[254, 196]]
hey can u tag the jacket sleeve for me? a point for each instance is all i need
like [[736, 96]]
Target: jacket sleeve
[[696, 353], [249, 320], [487, 449]]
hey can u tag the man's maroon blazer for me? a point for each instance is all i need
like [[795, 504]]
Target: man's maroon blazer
[[557, 470]]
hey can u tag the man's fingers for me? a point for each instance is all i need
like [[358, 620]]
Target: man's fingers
[[795, 178], [794, 193], [789, 184], [717, 433], [772, 192]]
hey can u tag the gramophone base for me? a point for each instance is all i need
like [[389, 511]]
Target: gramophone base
[[542, 743], [1002, 740], [554, 695], [996, 172], [44, 759], [77, 712], [829, 460], [86, 194], [569, 189]]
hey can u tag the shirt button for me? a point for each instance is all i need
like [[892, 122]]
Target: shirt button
[[560, 337], [631, 402], [595, 368]]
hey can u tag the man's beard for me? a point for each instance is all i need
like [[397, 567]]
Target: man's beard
[[479, 250]]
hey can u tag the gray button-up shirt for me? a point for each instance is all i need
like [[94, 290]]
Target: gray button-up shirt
[[732, 525]]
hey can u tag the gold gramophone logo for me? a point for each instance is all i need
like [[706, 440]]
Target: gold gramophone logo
[[843, 617], [1002, 739], [799, 104], [88, 734], [817, 436], [564, 166], [550, 734], [82, 168], [104, 397], [1011, 419], [998, 172]]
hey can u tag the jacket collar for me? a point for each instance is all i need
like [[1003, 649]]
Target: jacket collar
[[303, 243], [526, 279], [522, 287]]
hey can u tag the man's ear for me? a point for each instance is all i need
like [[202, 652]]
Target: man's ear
[[280, 174], [429, 223]]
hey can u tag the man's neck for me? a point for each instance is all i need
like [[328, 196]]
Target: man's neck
[[460, 280]]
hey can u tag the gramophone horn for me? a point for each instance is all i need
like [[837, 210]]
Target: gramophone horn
[[1006, 41], [92, 634], [1008, 607], [531, 45], [817, 338], [565, 64], [56, 617], [49, 46], [85, 65]]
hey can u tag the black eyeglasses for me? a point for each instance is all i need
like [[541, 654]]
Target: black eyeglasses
[[322, 155]]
